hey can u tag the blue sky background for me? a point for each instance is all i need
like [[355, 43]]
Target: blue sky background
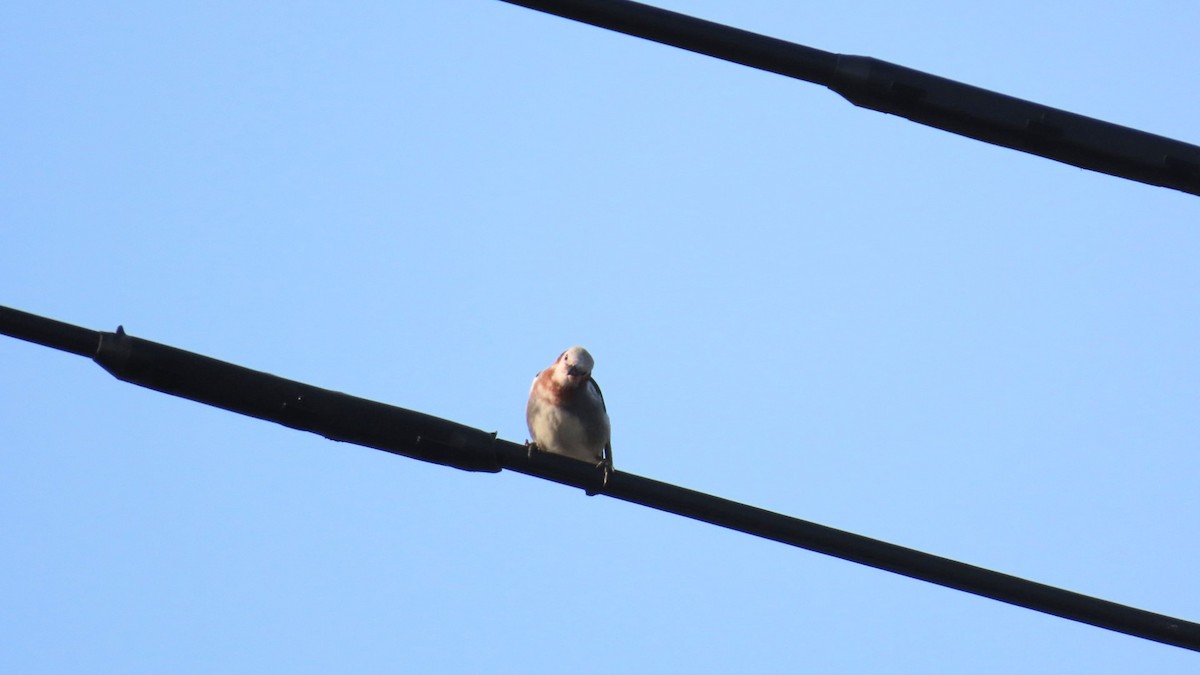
[[792, 302]]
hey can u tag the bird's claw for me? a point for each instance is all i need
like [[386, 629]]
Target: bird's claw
[[604, 469]]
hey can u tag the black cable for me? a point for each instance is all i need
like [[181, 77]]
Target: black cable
[[48, 332], [921, 97], [405, 432]]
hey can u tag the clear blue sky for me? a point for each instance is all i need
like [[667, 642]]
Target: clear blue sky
[[792, 302]]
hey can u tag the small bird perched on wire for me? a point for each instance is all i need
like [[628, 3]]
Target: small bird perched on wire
[[566, 413]]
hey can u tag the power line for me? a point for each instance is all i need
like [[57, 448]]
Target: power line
[[342, 417], [921, 97]]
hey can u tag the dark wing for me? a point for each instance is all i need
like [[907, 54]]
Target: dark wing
[[599, 393], [607, 459]]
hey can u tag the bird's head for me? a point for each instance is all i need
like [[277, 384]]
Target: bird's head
[[573, 367]]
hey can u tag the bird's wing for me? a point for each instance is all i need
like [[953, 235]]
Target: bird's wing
[[607, 446], [599, 393]]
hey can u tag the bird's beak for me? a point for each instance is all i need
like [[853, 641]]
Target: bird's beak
[[574, 371]]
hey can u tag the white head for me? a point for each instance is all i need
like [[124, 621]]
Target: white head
[[573, 367]]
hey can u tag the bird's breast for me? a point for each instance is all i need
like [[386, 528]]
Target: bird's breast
[[568, 431]]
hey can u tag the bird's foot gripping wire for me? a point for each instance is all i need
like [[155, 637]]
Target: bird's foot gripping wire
[[596, 484], [599, 482]]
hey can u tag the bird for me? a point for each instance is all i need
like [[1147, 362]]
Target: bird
[[566, 413]]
